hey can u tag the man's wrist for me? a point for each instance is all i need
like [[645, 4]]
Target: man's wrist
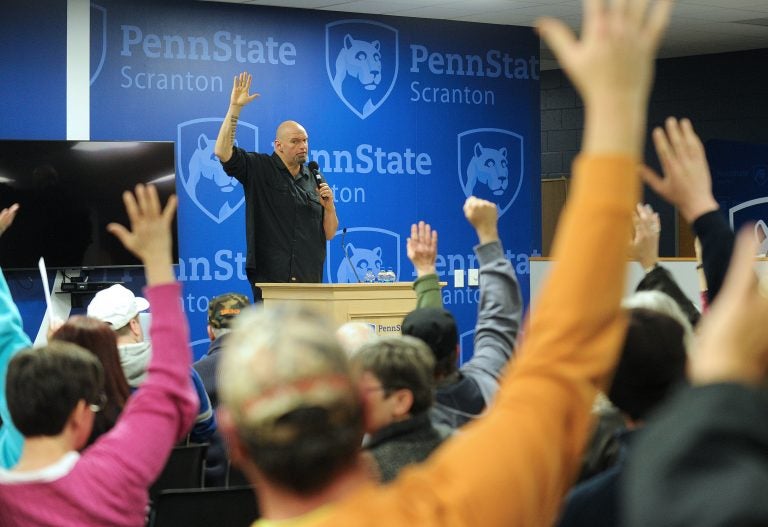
[[648, 267], [487, 235], [697, 210], [423, 271]]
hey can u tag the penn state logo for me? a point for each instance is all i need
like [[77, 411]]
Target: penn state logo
[[216, 194], [362, 60], [752, 211], [490, 164], [363, 249], [98, 40]]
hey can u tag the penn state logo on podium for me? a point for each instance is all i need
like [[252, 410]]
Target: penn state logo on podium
[[752, 211], [362, 61], [367, 249], [98, 40], [490, 165], [216, 194]]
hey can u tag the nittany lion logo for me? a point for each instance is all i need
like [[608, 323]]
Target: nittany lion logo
[[752, 211], [201, 174], [358, 263], [490, 163], [362, 62], [490, 167], [361, 250]]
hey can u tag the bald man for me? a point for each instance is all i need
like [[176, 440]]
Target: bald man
[[289, 214]]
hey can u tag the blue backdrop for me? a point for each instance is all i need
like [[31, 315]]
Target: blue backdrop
[[406, 117]]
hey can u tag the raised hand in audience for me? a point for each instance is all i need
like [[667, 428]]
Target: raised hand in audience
[[687, 183], [150, 237], [732, 343], [421, 248], [7, 216], [645, 242], [483, 216], [615, 97]]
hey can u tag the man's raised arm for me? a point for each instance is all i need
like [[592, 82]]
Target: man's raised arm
[[238, 99]]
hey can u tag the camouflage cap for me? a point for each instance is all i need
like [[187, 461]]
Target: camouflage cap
[[223, 308]]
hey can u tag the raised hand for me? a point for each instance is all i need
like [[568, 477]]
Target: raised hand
[[7, 216], [150, 237], [611, 66], [483, 216], [732, 343], [687, 183], [242, 85], [421, 248], [645, 242]]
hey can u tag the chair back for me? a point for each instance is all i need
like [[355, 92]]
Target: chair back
[[230, 507], [183, 470]]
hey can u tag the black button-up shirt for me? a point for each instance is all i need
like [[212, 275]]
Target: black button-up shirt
[[283, 219]]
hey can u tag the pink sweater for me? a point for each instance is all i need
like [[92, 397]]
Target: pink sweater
[[107, 484]]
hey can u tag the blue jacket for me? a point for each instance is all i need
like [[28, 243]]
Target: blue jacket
[[12, 340]]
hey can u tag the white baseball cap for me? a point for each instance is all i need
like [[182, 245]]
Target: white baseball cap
[[116, 305]]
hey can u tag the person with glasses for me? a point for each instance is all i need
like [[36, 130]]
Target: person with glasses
[[99, 339], [395, 379], [54, 393]]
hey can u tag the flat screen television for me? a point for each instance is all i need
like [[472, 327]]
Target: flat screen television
[[68, 192]]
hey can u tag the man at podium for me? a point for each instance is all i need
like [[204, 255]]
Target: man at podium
[[289, 212]]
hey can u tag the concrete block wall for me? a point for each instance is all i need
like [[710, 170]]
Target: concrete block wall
[[725, 95]]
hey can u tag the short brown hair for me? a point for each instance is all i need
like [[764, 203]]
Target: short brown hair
[[43, 386], [400, 362]]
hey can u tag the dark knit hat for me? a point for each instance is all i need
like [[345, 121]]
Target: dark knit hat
[[652, 363], [223, 308], [436, 327]]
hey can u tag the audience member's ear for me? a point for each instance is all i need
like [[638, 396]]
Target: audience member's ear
[[237, 452], [80, 424], [403, 402], [210, 332], [136, 327]]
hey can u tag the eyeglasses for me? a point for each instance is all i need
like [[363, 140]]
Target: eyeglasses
[[101, 402]]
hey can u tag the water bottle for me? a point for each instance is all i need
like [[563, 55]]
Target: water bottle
[[391, 276], [369, 277], [382, 276]]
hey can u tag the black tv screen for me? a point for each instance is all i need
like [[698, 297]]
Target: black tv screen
[[68, 192]]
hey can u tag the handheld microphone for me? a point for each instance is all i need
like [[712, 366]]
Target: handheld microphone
[[314, 169], [346, 253]]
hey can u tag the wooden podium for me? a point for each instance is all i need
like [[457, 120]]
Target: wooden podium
[[383, 305]]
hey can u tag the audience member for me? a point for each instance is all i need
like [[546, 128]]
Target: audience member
[[98, 338], [353, 335], [463, 393], [702, 460], [664, 304], [12, 341], [293, 415], [120, 308], [222, 310], [396, 379], [605, 446], [687, 185], [52, 395], [645, 249], [652, 364]]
